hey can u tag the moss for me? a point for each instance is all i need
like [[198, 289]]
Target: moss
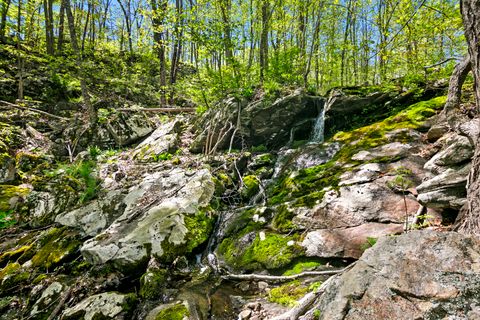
[[271, 253], [302, 266], [251, 186], [199, 228], [175, 312], [12, 276], [282, 221], [56, 246], [39, 279], [19, 254], [287, 294], [152, 284], [8, 193]]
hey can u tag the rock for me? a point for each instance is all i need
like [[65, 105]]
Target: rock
[[417, 275], [163, 140], [245, 314], [353, 205], [126, 128], [94, 217], [44, 303], [262, 286], [394, 151], [365, 173], [458, 149], [346, 243], [437, 131], [163, 217], [447, 190], [7, 168], [109, 305], [172, 311], [262, 122]]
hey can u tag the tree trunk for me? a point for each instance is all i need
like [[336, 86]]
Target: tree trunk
[[3, 22], [455, 85], [264, 40], [471, 20], [61, 27], [48, 11], [159, 14]]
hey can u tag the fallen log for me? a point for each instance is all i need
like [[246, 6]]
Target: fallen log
[[262, 277], [165, 110], [16, 106]]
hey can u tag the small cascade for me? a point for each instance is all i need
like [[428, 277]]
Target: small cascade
[[319, 128], [260, 198]]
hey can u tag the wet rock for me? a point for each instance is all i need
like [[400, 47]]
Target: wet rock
[[245, 314], [262, 122], [348, 242], [418, 275], [170, 311], [108, 305]]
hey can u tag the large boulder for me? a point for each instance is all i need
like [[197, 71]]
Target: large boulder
[[418, 275], [125, 128], [164, 217], [262, 122], [163, 140]]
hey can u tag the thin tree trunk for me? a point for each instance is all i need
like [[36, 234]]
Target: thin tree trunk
[[91, 111], [159, 13], [61, 27], [21, 62]]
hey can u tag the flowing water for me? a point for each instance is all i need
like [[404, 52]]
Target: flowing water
[[319, 128]]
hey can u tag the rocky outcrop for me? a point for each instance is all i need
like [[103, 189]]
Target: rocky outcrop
[[261, 122], [165, 216], [418, 275], [125, 128], [449, 168]]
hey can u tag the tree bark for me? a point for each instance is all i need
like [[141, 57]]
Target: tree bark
[[3, 21], [159, 11], [455, 85], [471, 21]]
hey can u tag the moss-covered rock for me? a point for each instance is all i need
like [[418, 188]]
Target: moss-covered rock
[[251, 186], [176, 311], [12, 276], [260, 250], [11, 196], [287, 294], [56, 245], [152, 283]]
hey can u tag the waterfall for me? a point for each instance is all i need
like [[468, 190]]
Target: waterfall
[[319, 128]]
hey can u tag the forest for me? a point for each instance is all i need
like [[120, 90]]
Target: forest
[[250, 160]]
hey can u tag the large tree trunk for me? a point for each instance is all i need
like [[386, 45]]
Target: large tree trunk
[[471, 20], [3, 20], [159, 12]]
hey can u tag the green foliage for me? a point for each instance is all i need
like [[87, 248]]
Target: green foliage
[[7, 219], [82, 172], [164, 156], [94, 151], [369, 243]]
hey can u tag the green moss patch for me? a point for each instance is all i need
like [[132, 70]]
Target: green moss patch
[[251, 186], [56, 246], [287, 294], [9, 196], [199, 228], [271, 253], [302, 266], [176, 312], [12, 276]]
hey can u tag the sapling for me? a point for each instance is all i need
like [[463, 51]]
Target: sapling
[[401, 183]]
